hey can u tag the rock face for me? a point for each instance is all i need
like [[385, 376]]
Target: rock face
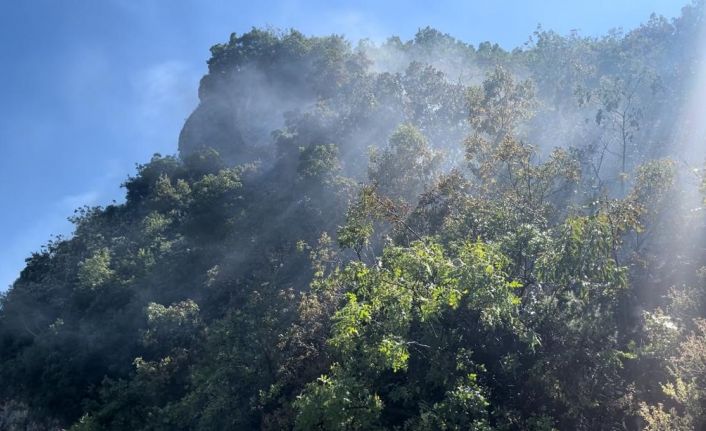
[[238, 111], [253, 81], [261, 85]]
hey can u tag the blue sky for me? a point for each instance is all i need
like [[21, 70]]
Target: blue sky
[[89, 88]]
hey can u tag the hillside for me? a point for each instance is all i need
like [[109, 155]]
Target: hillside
[[411, 235]]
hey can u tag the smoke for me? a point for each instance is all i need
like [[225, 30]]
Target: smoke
[[306, 114], [286, 92], [581, 99], [688, 232]]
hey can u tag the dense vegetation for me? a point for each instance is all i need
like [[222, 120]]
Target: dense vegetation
[[415, 235]]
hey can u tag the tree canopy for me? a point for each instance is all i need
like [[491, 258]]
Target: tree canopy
[[412, 235]]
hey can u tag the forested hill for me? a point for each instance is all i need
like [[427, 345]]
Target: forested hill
[[410, 235]]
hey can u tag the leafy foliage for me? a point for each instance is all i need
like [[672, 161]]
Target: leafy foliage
[[398, 236]]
